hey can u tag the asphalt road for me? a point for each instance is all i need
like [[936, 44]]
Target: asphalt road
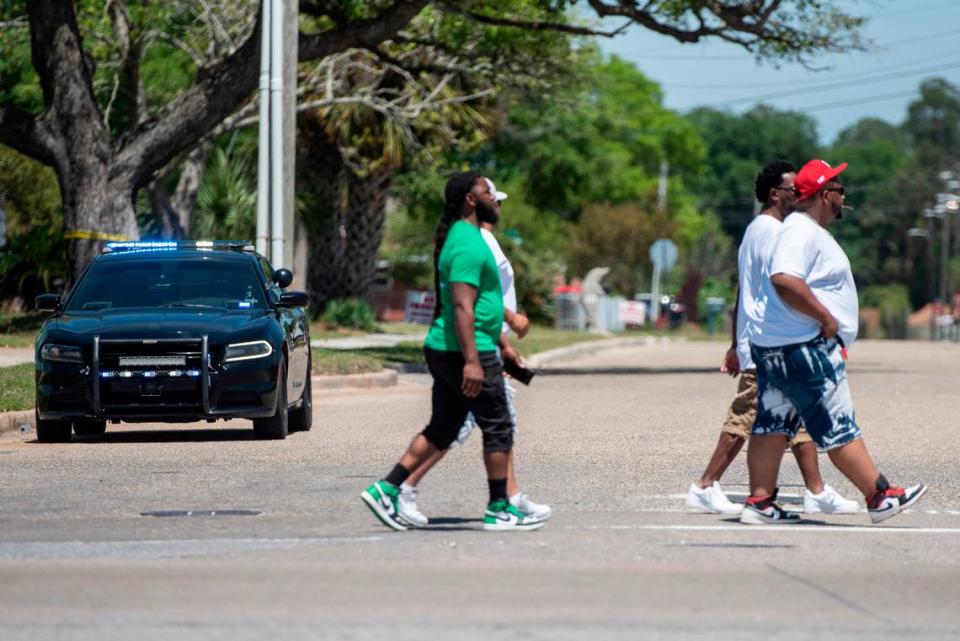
[[610, 440]]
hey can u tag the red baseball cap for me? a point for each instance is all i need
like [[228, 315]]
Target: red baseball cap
[[814, 175]]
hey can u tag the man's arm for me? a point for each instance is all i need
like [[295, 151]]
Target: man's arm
[[508, 351], [464, 296], [731, 361], [797, 294], [519, 323]]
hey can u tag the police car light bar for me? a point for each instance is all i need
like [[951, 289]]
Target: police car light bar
[[173, 245]]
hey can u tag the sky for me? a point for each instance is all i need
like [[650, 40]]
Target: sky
[[913, 40]]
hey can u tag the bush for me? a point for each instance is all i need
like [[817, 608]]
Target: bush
[[893, 301], [350, 312], [715, 288]]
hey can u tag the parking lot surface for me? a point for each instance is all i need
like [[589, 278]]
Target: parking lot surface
[[200, 532]]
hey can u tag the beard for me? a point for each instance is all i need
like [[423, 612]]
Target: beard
[[487, 214]]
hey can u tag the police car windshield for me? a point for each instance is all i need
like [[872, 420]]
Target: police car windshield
[[179, 283]]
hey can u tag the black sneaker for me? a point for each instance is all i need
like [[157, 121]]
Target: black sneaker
[[892, 501], [765, 511]]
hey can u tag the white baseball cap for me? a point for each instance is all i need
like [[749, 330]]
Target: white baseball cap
[[499, 195]]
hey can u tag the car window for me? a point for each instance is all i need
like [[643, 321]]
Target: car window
[[272, 287], [190, 282]]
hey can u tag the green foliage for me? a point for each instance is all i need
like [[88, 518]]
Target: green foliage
[[350, 312], [618, 237], [34, 255], [738, 146], [601, 141], [893, 301], [227, 202], [933, 122]]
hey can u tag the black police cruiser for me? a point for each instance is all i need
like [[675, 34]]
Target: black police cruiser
[[174, 332]]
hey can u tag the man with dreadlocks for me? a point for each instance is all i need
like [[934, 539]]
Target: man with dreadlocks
[[461, 354]]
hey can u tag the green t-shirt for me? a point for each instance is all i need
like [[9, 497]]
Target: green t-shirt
[[466, 258]]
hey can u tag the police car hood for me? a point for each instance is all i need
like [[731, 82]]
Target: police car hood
[[164, 322]]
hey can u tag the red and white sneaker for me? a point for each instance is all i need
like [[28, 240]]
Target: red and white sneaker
[[890, 502], [765, 511]]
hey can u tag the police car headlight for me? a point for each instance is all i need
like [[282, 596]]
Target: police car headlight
[[61, 353], [247, 351]]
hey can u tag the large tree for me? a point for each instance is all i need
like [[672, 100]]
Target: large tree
[[101, 166]]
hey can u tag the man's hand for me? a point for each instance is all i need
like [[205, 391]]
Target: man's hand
[[511, 354], [731, 362], [519, 323], [472, 379], [829, 326]]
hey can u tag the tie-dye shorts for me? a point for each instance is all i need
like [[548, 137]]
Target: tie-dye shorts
[[804, 384]]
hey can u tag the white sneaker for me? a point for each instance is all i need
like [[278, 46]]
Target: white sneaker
[[828, 501], [407, 507], [537, 511], [711, 499]]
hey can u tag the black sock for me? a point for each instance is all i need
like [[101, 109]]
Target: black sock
[[397, 475], [498, 489], [882, 484]]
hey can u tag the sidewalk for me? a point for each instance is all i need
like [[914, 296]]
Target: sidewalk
[[15, 355]]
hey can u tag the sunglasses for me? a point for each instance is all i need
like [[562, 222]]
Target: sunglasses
[[791, 190], [839, 190]]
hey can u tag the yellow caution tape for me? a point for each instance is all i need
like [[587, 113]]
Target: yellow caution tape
[[87, 234]]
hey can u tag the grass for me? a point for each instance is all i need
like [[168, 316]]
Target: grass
[[18, 339], [17, 387]]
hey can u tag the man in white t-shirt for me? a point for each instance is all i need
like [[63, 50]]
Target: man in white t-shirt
[[519, 324], [773, 188], [808, 316]]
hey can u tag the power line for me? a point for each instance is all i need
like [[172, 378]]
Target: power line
[[855, 101], [794, 83], [840, 84], [651, 54]]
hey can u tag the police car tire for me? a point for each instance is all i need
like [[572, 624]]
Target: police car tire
[[52, 431], [276, 426]]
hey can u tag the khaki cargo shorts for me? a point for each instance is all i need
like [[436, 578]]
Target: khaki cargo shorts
[[743, 410]]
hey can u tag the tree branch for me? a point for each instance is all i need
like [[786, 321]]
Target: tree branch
[[26, 133], [364, 33], [228, 84], [532, 25]]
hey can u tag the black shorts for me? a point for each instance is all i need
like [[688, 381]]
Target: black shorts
[[450, 406]]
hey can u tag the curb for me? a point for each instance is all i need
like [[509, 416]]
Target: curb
[[383, 378], [21, 421], [590, 347]]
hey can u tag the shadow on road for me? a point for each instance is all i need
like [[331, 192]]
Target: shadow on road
[[646, 371], [452, 524], [628, 371], [167, 436]]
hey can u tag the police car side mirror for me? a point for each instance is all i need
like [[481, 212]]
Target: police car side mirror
[[283, 278], [48, 302], [294, 299]]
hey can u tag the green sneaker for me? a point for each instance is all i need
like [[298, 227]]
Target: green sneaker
[[381, 497], [501, 516]]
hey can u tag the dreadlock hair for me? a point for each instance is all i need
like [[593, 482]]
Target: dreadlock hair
[[771, 176], [454, 195]]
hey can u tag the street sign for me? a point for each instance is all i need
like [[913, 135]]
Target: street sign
[[663, 254]]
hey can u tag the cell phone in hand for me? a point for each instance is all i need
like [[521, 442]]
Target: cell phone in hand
[[518, 371]]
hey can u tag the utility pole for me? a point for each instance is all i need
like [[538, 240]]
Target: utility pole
[[278, 128]]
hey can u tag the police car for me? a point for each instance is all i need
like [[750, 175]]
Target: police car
[[174, 332]]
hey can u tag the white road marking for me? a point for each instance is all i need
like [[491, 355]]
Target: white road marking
[[843, 529]]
